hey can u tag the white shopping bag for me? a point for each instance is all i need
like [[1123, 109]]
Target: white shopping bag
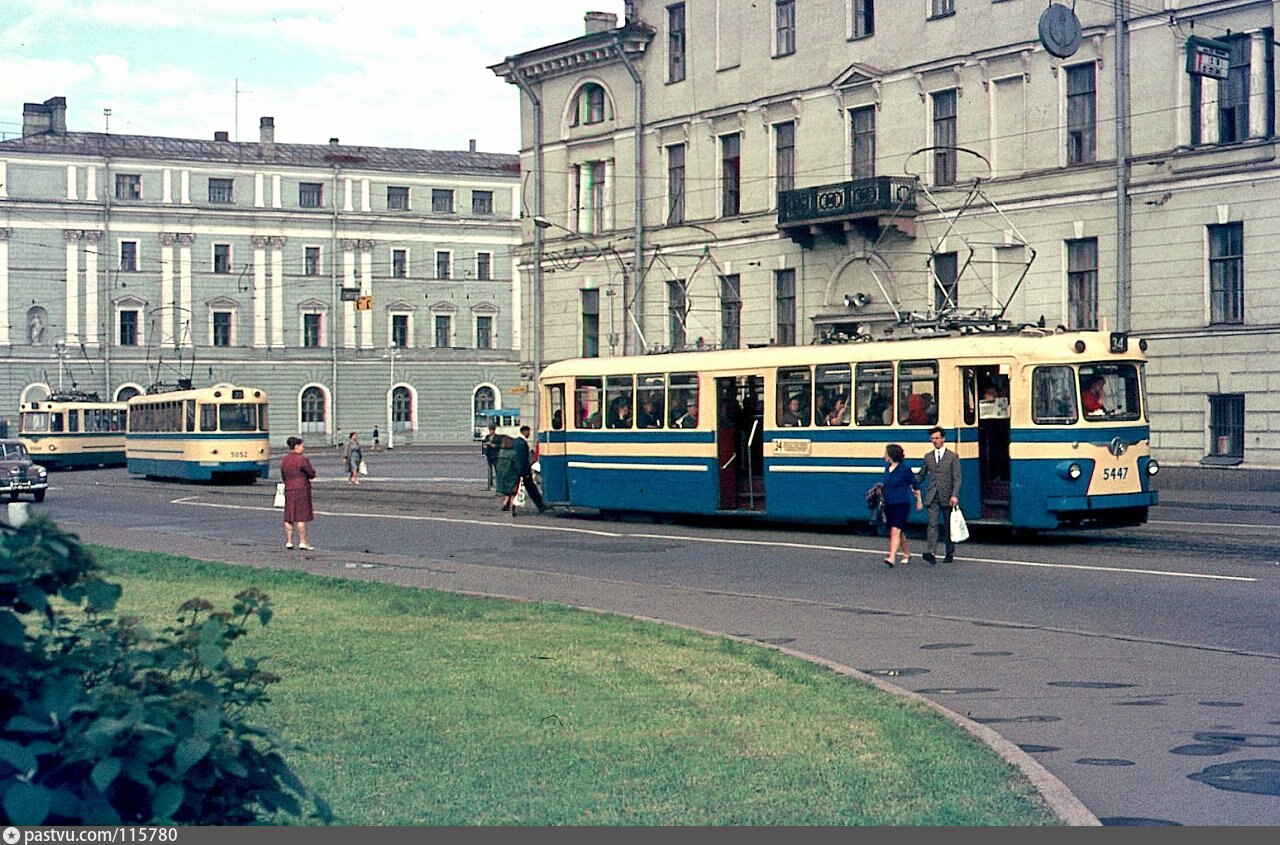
[[522, 498], [279, 502], [959, 528]]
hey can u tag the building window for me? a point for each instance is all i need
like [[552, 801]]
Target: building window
[[591, 323], [220, 190], [128, 321], [946, 290], [730, 312], [312, 412], [862, 18], [129, 256], [484, 332], [311, 194], [589, 188], [400, 330], [401, 409], [1226, 426], [784, 293], [944, 137], [1233, 95], [482, 202], [443, 331], [785, 27], [311, 261], [676, 67], [941, 8], [675, 184], [1082, 284], [677, 311], [400, 263], [312, 330], [730, 175], [397, 198], [784, 135], [590, 105], [128, 186], [1226, 273], [222, 258], [442, 200], [484, 266], [221, 328], [444, 261], [862, 129], [1082, 118]]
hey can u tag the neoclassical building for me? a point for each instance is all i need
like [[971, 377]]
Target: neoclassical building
[[724, 173], [359, 286]]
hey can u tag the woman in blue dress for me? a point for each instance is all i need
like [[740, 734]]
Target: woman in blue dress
[[900, 483]]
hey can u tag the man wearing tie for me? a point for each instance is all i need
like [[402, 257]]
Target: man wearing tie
[[940, 478]]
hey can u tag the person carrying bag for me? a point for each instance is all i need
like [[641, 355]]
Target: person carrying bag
[[959, 528]]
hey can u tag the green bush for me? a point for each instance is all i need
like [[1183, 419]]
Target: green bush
[[103, 722]]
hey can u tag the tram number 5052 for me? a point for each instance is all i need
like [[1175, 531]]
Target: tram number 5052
[[239, 454]]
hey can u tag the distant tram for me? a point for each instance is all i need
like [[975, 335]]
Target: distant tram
[[73, 429], [1051, 428], [505, 420], [216, 433]]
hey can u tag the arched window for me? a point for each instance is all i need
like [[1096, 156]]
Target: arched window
[[126, 393], [484, 399], [590, 105], [312, 411], [401, 409]]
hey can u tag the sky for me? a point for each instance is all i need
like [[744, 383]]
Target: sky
[[390, 73]]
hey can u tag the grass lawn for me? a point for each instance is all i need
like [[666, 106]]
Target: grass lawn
[[418, 707]]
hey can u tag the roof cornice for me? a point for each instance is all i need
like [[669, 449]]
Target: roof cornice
[[597, 48]]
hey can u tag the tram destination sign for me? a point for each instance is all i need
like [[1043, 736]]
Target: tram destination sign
[[1206, 57]]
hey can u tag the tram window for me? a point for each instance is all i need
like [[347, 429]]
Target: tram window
[[832, 389], [73, 420], [555, 398], [650, 391], [620, 393], [262, 418], [873, 393], [1110, 392], [208, 417], [190, 415], [917, 392], [236, 416], [794, 397], [588, 398], [55, 422], [1053, 396], [682, 400], [35, 422]]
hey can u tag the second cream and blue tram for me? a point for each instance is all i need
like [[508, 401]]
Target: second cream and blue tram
[[70, 430], [216, 433], [799, 433]]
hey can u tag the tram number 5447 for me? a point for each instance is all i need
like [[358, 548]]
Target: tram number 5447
[[1115, 473]]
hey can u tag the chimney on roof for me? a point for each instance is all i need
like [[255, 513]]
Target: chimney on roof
[[49, 116], [221, 136], [472, 145], [267, 137], [601, 22], [333, 142]]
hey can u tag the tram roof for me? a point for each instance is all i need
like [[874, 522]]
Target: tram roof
[[1025, 345]]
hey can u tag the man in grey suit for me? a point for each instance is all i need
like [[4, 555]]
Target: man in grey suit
[[940, 478]]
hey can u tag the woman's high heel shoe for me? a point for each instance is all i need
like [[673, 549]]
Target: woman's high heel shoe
[[905, 560], [888, 562]]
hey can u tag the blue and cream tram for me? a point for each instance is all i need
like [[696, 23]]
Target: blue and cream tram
[[799, 433], [216, 433], [73, 429]]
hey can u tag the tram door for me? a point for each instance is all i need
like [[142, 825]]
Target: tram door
[[987, 402], [740, 441]]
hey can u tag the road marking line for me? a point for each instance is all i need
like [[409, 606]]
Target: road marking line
[[514, 523]]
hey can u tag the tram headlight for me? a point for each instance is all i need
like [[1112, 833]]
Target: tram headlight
[[1152, 467], [1070, 470]]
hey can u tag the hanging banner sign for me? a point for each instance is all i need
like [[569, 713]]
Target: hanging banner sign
[[1206, 57], [364, 303], [350, 294]]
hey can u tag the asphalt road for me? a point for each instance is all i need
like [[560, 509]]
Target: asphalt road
[[1139, 666]]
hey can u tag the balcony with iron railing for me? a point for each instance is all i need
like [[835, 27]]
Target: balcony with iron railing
[[865, 206]]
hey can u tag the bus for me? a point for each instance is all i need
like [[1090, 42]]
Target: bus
[[216, 433], [506, 420], [73, 429], [798, 434]]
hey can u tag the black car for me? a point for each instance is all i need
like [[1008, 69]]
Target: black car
[[18, 474]]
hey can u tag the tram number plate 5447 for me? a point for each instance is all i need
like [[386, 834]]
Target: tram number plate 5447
[[1115, 473]]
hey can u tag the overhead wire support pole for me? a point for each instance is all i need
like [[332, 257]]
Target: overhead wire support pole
[[1123, 256], [536, 362]]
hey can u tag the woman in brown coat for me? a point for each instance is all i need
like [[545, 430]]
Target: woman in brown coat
[[297, 472]]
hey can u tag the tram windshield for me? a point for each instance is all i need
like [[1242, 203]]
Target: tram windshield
[[1106, 393]]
